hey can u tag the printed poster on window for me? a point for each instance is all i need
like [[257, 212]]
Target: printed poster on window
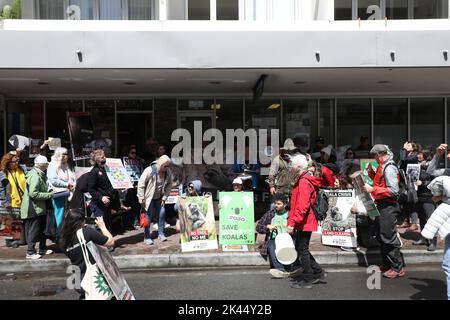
[[237, 218], [339, 226], [134, 168], [117, 174], [364, 164], [197, 223]]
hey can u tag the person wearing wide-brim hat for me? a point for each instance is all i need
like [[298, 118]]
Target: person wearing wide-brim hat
[[278, 179]]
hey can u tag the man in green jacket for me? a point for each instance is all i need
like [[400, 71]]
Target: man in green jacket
[[33, 209]]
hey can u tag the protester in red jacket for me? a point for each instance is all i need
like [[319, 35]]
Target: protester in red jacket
[[302, 222], [328, 177]]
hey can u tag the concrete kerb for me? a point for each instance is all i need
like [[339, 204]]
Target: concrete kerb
[[215, 260]]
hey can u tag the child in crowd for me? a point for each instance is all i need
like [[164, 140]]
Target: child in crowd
[[273, 222]]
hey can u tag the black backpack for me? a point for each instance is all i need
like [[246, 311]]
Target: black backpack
[[320, 206], [405, 186]]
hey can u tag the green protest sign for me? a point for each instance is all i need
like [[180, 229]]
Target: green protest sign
[[237, 218], [364, 163]]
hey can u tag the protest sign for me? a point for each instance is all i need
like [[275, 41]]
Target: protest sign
[[134, 168], [198, 228], [237, 218], [111, 272], [173, 196], [364, 164], [363, 195], [117, 174], [81, 134], [413, 171], [339, 226], [54, 143]]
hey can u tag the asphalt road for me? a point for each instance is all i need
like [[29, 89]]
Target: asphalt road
[[420, 283]]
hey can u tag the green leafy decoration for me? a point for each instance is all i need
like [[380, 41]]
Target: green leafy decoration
[[101, 285]]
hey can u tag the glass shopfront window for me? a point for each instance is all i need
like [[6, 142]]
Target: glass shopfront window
[[25, 118], [263, 114], [56, 119], [391, 123], [198, 10], [102, 112], [51, 9], [227, 9], [141, 10], [427, 127], [326, 120], [369, 10], [229, 114], [430, 9], [255, 10], [110, 9], [300, 120], [86, 7], [343, 10], [196, 104], [397, 9], [353, 121]]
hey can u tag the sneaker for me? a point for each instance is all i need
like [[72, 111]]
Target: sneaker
[[431, 247], [278, 274], [162, 238], [167, 225], [111, 249], [302, 284], [392, 274], [45, 253], [148, 241], [421, 242], [296, 273], [155, 227], [319, 277], [33, 256]]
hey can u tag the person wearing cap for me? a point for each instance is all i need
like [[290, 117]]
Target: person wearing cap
[[279, 178], [33, 209], [238, 185], [302, 222], [385, 192]]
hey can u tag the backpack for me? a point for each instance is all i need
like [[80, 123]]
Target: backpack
[[406, 188], [320, 206]]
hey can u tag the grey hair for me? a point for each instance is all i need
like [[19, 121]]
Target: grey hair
[[440, 186], [59, 152], [96, 155]]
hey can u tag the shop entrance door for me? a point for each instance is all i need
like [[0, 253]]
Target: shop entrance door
[[186, 120], [133, 128]]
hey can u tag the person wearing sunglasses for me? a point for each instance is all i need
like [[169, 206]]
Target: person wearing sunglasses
[[349, 154]]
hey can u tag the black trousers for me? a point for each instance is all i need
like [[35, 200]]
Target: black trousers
[[390, 244], [425, 209], [34, 229], [307, 261]]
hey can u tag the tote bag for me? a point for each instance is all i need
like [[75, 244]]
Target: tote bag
[[93, 283]]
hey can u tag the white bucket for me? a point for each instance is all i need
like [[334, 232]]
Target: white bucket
[[285, 249]]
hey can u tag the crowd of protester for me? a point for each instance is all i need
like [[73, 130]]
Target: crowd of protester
[[52, 201]]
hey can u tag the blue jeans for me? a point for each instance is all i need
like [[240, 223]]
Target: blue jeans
[[153, 208], [273, 258], [59, 205], [446, 263], [101, 210]]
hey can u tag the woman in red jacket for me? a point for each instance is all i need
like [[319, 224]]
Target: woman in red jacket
[[302, 221]]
